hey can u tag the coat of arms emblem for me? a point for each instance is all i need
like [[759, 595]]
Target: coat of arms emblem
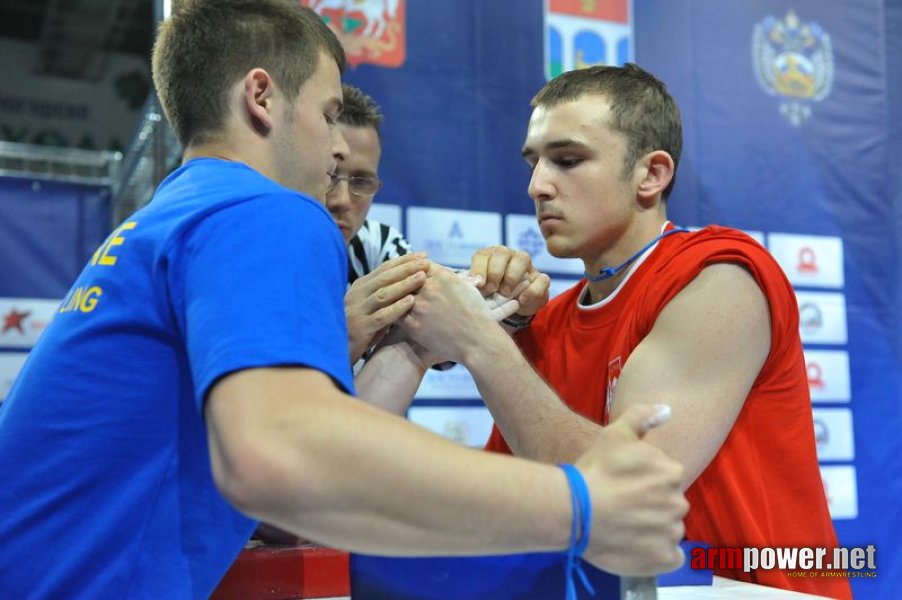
[[582, 33], [793, 60], [371, 31]]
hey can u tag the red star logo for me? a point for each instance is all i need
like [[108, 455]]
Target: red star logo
[[14, 319]]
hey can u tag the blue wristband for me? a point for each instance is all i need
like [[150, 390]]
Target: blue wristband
[[579, 530]]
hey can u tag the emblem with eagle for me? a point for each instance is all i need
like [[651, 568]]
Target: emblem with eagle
[[793, 60]]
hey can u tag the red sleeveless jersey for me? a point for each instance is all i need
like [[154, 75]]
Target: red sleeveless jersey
[[763, 488]]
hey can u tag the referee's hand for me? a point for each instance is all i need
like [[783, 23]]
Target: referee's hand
[[378, 299]]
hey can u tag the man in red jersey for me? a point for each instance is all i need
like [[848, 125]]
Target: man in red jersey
[[704, 321]]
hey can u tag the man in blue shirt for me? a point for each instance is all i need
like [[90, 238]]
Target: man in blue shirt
[[196, 378]]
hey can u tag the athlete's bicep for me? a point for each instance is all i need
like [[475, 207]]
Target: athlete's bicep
[[702, 357]]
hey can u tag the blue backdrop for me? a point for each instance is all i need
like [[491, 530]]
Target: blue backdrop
[[837, 174], [48, 230]]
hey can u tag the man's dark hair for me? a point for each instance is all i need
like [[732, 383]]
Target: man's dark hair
[[208, 45], [641, 108], [360, 110]]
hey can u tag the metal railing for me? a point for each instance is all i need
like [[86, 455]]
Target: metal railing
[[59, 164], [132, 177], [152, 154]]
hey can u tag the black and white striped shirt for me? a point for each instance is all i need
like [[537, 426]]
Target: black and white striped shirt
[[374, 244]]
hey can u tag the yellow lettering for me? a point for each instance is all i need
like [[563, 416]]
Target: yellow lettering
[[107, 259], [103, 248], [92, 296], [82, 300], [74, 300]]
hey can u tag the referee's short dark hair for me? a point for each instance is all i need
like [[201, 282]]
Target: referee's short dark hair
[[360, 110]]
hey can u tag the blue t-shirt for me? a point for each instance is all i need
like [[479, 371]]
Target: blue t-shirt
[[105, 482]]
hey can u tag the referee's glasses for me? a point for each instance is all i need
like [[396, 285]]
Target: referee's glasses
[[357, 185]]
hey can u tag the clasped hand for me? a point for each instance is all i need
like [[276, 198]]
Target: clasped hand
[[443, 312], [450, 314]]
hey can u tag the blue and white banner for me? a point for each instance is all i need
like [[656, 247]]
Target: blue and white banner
[[809, 260], [10, 365], [828, 375], [522, 233], [390, 214], [451, 237]]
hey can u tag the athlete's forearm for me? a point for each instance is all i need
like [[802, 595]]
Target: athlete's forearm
[[535, 423], [411, 496], [390, 378], [332, 469]]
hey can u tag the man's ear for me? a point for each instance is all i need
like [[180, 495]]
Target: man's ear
[[656, 175], [257, 99]]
